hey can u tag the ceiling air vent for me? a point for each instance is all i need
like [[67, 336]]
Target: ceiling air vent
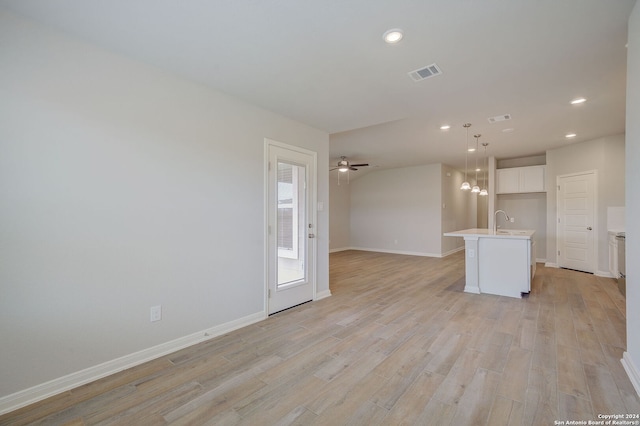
[[498, 118], [425, 72]]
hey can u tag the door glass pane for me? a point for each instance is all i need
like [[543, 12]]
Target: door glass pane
[[291, 224]]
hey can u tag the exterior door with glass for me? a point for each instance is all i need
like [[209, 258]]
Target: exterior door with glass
[[291, 226]]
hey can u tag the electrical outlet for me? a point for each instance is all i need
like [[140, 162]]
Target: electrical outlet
[[156, 313], [512, 219]]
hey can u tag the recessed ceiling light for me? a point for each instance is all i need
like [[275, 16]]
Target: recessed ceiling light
[[509, 130], [393, 36], [570, 135], [578, 101], [445, 127], [478, 169]]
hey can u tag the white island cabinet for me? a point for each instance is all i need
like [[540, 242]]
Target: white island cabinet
[[502, 263]]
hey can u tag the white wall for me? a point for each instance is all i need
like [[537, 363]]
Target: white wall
[[339, 213], [632, 356], [417, 199], [534, 160], [482, 214], [606, 155], [397, 210], [123, 187], [529, 212], [456, 205]]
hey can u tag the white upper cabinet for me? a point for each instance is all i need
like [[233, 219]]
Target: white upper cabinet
[[520, 179], [508, 181]]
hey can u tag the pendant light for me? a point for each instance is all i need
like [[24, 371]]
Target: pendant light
[[476, 188], [484, 191], [465, 185]]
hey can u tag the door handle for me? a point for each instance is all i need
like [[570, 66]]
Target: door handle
[[312, 235], [589, 228]]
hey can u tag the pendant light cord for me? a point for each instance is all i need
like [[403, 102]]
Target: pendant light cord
[[466, 154], [484, 173], [477, 136]]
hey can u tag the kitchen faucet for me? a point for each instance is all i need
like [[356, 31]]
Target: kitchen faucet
[[495, 220]]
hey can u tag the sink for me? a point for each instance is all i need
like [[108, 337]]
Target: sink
[[511, 232]]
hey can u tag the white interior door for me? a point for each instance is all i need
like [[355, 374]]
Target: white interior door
[[291, 216], [576, 224]]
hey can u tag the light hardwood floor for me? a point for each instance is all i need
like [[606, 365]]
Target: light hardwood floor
[[399, 342]]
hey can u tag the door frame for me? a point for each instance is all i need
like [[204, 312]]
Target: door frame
[[313, 217], [595, 215]]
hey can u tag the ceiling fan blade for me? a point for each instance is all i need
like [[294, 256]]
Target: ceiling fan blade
[[335, 168], [353, 168], [359, 165]]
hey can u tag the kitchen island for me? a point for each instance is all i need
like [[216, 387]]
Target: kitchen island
[[501, 262]]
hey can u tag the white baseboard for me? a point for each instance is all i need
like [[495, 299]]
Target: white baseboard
[[322, 295], [335, 250], [632, 371], [45, 390], [541, 261], [450, 252], [604, 274], [409, 253], [472, 289]]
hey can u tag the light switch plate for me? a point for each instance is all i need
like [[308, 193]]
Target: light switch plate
[[155, 313]]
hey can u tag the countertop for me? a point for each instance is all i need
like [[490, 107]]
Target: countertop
[[520, 234]]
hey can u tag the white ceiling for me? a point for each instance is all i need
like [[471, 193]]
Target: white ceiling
[[323, 62]]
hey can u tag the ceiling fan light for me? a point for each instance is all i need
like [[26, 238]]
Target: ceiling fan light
[[465, 186], [475, 189], [343, 169]]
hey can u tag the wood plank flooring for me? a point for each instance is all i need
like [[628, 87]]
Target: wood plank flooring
[[398, 343]]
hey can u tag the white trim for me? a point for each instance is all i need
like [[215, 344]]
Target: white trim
[[265, 221], [604, 274], [450, 252], [541, 260], [632, 371], [472, 289], [322, 295], [410, 253], [70, 381], [335, 250], [312, 178]]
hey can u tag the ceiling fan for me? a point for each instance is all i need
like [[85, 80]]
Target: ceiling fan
[[344, 165]]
